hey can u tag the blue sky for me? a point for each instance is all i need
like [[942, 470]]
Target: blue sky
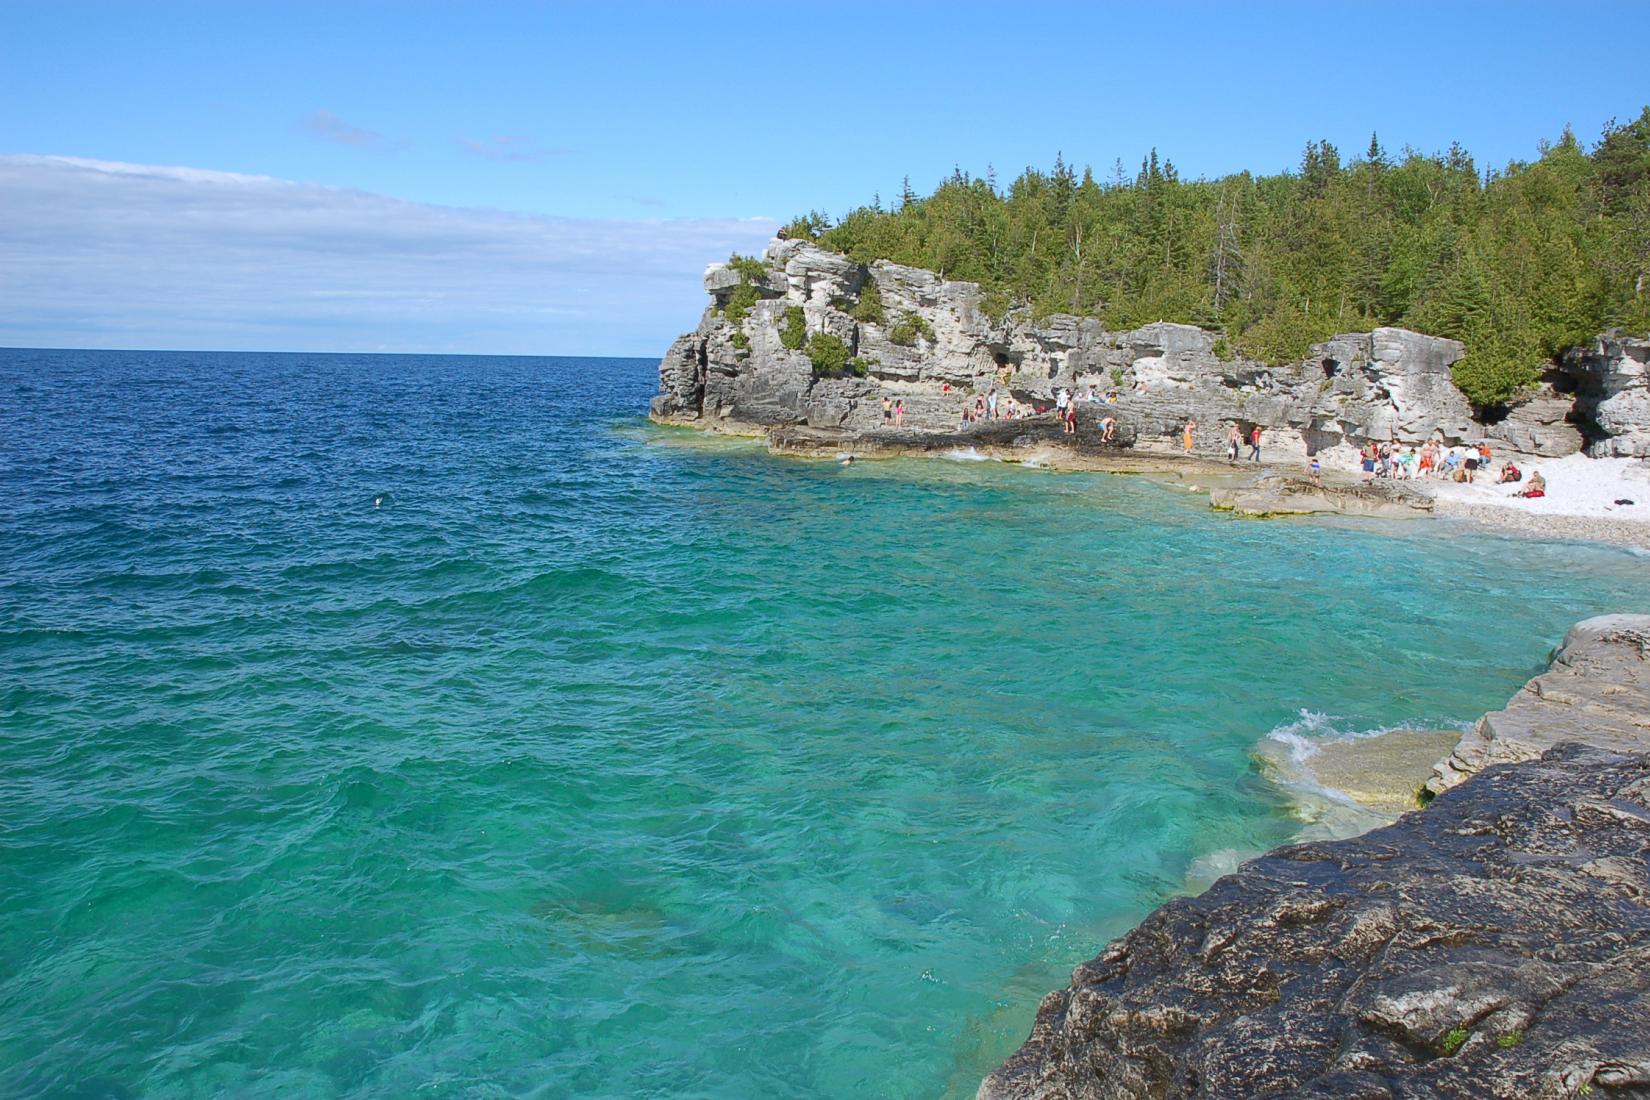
[[587, 148]]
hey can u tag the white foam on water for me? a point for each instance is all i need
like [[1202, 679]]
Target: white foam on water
[[966, 454]]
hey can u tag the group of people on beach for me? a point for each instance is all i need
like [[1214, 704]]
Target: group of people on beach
[[1433, 460]]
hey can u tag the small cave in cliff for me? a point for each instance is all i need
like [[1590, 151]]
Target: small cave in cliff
[[1331, 367]]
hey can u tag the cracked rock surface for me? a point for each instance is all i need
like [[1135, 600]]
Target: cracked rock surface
[[1496, 944]]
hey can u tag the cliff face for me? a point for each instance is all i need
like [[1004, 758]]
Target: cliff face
[[1495, 944], [1613, 394], [1385, 384]]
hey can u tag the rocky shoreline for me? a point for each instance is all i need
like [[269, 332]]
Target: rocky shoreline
[[752, 367], [1495, 943]]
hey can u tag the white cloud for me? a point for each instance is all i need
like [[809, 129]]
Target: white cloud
[[325, 124], [96, 254], [510, 147]]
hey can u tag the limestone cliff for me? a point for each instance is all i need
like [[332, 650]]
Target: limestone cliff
[[1383, 385]]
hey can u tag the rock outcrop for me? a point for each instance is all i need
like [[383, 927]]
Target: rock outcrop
[[1496, 944], [934, 347], [1298, 496], [1597, 691], [1612, 380]]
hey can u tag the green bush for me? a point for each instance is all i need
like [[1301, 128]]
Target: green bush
[[739, 304], [828, 353], [741, 341], [1494, 371], [1222, 349], [808, 227], [1509, 1040], [869, 309], [1454, 1040], [860, 365], [995, 303], [793, 329], [751, 269], [908, 328], [1117, 378]]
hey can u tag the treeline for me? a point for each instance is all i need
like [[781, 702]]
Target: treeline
[[1517, 263]]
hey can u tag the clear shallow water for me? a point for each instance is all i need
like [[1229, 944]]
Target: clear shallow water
[[609, 761]]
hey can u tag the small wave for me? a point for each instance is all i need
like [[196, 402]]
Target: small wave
[[966, 454], [1306, 736]]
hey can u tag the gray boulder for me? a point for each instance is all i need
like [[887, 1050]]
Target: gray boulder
[[1613, 393]]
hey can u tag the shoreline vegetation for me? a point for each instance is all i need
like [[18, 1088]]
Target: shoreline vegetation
[[1519, 263]]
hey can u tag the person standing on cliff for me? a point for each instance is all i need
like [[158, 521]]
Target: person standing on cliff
[[991, 403], [1061, 400], [899, 413], [1254, 444], [1234, 440], [887, 410], [1186, 438]]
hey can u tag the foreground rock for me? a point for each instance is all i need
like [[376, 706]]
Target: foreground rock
[[1299, 496], [928, 341], [1597, 691], [1496, 944]]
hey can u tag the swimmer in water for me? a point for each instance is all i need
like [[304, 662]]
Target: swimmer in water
[[376, 501]]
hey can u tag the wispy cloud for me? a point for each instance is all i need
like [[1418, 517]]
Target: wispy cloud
[[99, 254], [510, 147], [325, 124]]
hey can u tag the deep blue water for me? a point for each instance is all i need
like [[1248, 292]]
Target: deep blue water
[[605, 760]]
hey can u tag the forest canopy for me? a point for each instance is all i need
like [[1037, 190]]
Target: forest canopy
[[1518, 263]]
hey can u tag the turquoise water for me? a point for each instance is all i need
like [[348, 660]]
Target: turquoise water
[[603, 760]]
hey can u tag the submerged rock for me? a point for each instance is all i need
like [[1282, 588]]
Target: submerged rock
[[1298, 496], [1496, 944]]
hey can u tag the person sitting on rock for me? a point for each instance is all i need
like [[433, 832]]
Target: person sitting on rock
[[1108, 429], [1537, 487], [1509, 472]]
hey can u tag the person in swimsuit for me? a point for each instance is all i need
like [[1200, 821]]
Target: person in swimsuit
[[1234, 439], [1109, 424], [887, 410], [1186, 439], [899, 413]]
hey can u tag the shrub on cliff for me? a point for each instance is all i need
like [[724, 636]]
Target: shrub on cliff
[[827, 352], [908, 328], [793, 328], [750, 269], [739, 304], [869, 308]]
